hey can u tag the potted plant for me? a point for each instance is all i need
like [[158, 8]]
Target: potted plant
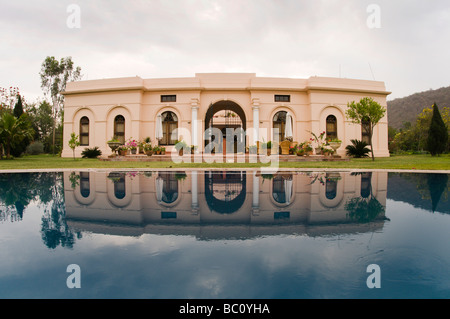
[[319, 141], [132, 145], [157, 150], [114, 144], [148, 149], [193, 149], [179, 146], [142, 144], [327, 151], [300, 152], [179, 176], [253, 149], [308, 149], [334, 143], [163, 150], [123, 150], [267, 146]]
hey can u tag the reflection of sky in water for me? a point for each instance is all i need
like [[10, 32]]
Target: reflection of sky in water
[[411, 249]]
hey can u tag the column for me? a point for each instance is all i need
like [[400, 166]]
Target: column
[[194, 122], [255, 198], [255, 121], [194, 192]]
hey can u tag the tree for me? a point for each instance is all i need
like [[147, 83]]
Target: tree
[[74, 142], [367, 110], [13, 130], [437, 133], [17, 149], [18, 108], [42, 122], [54, 77]]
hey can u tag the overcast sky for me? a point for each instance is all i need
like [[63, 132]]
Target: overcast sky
[[407, 45]]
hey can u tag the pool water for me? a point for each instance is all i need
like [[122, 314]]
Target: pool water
[[231, 234]]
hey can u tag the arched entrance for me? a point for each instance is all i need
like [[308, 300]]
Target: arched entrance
[[225, 192], [228, 118]]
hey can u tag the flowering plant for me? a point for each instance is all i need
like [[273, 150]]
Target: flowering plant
[[132, 144], [334, 140], [318, 139]]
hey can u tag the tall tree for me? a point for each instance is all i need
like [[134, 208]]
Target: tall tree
[[368, 111], [437, 133], [18, 108], [54, 77]]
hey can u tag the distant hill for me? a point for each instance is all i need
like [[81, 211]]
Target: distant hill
[[407, 108]]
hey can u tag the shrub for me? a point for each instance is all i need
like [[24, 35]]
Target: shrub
[[359, 149], [35, 148], [91, 152]]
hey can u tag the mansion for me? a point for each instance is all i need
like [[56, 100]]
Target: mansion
[[130, 108]]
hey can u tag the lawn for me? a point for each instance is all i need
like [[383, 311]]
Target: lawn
[[400, 162]]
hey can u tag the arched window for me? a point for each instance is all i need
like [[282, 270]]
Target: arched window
[[365, 131], [279, 122], [119, 128], [331, 127], [84, 131], [85, 188], [282, 190], [170, 187], [169, 123], [330, 187], [366, 184]]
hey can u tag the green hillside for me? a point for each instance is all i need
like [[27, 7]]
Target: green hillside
[[406, 109]]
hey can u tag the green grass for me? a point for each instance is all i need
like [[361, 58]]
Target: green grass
[[400, 162]]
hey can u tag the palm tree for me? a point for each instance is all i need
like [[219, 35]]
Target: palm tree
[[13, 130]]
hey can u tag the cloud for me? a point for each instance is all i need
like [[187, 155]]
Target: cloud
[[271, 38]]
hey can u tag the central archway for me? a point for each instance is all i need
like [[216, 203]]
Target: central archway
[[225, 192], [229, 118]]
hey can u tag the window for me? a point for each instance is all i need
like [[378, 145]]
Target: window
[[85, 188], [282, 189], [366, 184], [282, 98], [281, 215], [331, 127], [119, 128], [119, 184], [279, 122], [365, 131], [169, 123], [330, 187], [170, 187], [168, 215], [84, 131], [168, 98]]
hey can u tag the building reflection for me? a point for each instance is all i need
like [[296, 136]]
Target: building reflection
[[229, 204]]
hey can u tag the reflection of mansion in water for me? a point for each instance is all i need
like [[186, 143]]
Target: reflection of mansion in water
[[231, 204]]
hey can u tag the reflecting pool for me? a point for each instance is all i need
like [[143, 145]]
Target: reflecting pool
[[227, 235]]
